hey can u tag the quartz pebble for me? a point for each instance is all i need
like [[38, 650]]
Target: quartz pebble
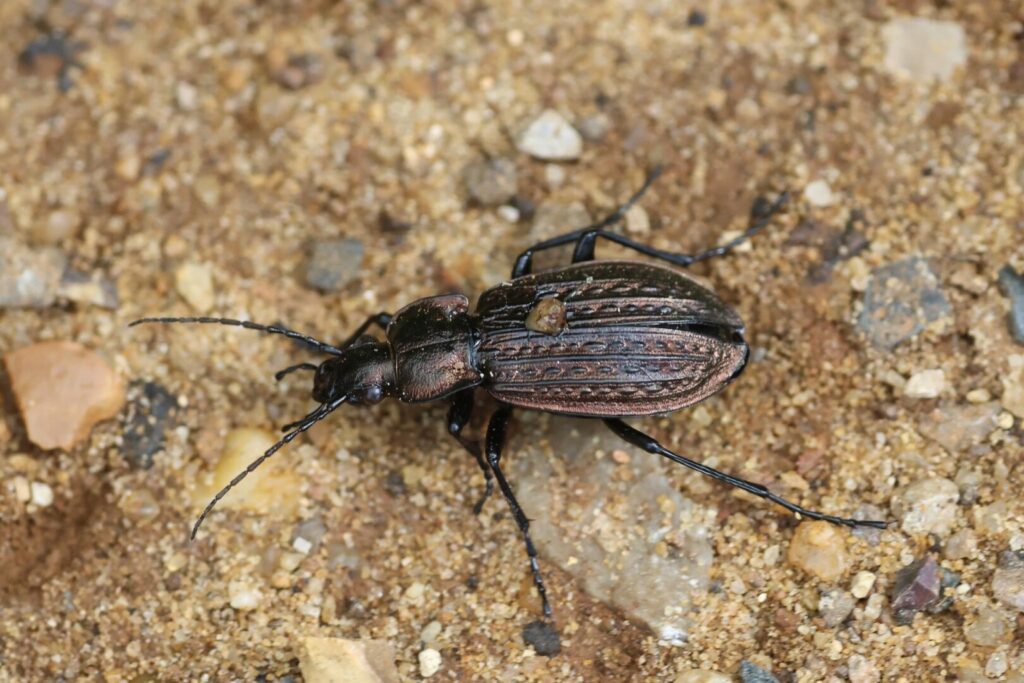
[[550, 137], [62, 390], [29, 278], [818, 193], [430, 662], [336, 660], [925, 384], [862, 670], [271, 488], [243, 596], [194, 282], [491, 182], [332, 264], [819, 549], [924, 49], [917, 586], [900, 301], [928, 506], [862, 584], [42, 494], [835, 606]]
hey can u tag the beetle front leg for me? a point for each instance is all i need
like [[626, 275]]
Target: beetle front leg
[[458, 417], [641, 440], [495, 441]]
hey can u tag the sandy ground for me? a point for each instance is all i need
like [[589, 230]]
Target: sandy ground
[[232, 135]]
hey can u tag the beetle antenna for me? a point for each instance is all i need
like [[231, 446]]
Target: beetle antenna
[[302, 425], [272, 329]]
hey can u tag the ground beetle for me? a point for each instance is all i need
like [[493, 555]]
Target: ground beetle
[[595, 339]]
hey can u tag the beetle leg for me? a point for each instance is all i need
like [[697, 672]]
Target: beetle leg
[[458, 418], [280, 374], [495, 440], [524, 263], [641, 440], [381, 319]]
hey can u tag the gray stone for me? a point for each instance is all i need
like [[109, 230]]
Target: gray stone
[[902, 298], [543, 638], [835, 605], [491, 182], [1012, 284], [333, 264], [752, 673], [150, 408], [89, 289], [621, 527], [958, 427], [29, 278], [928, 506], [1008, 581]]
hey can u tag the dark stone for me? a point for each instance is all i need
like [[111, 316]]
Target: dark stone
[[752, 673], [395, 484], [1012, 284], [146, 422], [543, 638], [333, 264], [696, 18], [52, 55], [917, 587], [902, 299]]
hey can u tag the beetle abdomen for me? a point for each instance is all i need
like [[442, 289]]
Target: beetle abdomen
[[638, 340]]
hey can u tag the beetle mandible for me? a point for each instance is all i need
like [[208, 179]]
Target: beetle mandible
[[594, 339]]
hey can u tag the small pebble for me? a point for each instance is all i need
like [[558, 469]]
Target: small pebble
[[243, 596], [862, 584], [149, 412], [1008, 586], [550, 137], [60, 225], [924, 49], [547, 316], [989, 628], [543, 638], [332, 264], [336, 660], [963, 544], [194, 282], [52, 55], [430, 632], [554, 175], [309, 534], [928, 506], [917, 586], [62, 390], [696, 18], [835, 606], [89, 289], [595, 127], [958, 427], [509, 213], [299, 71], [702, 676], [752, 673], [637, 221], [925, 384], [978, 396], [900, 301], [491, 182], [186, 96], [818, 193], [862, 670], [430, 662], [997, 665], [42, 494], [29, 278], [1012, 284], [1013, 386], [818, 548]]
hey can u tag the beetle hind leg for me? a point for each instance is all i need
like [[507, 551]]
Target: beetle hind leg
[[495, 440], [641, 440]]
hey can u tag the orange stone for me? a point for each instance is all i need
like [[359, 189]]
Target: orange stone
[[62, 390]]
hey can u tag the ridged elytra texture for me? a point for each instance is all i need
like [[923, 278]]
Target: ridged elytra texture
[[640, 339]]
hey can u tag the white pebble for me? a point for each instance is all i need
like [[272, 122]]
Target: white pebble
[[925, 384], [243, 596], [509, 213], [818, 193], [862, 584], [302, 545], [430, 662], [194, 282], [42, 494], [924, 49], [550, 137]]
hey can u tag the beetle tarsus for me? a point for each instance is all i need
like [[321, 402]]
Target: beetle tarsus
[[651, 445], [495, 441]]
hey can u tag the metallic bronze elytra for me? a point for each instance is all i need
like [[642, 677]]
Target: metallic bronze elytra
[[596, 339]]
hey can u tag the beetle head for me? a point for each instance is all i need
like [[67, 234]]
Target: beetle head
[[363, 373]]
